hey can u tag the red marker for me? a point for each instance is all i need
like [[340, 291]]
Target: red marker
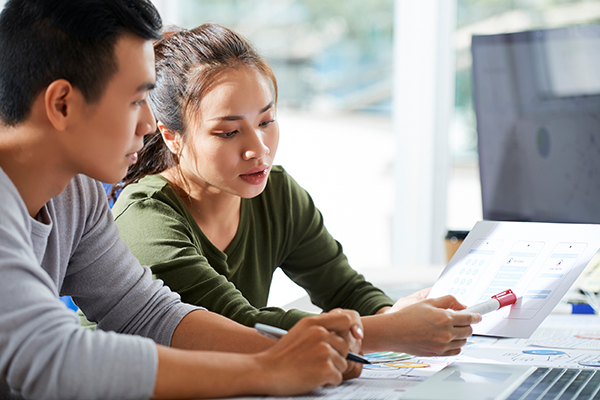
[[497, 301]]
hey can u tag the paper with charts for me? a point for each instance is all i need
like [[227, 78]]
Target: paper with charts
[[538, 261]]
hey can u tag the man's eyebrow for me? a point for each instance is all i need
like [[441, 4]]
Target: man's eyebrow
[[145, 87], [239, 117]]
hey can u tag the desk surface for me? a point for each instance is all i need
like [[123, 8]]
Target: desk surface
[[557, 332], [389, 383]]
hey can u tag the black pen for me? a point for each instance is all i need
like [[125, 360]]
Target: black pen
[[276, 333]]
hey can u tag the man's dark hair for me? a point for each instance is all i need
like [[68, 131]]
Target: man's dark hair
[[45, 40]]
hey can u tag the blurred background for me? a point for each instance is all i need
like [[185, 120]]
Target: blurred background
[[376, 108], [346, 135]]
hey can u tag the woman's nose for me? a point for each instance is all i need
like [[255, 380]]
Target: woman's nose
[[256, 147]]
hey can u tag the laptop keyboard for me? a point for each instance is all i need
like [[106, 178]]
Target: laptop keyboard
[[559, 384]]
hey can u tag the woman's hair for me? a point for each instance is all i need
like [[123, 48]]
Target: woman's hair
[[187, 63]]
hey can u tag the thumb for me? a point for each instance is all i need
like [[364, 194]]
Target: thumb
[[447, 301]]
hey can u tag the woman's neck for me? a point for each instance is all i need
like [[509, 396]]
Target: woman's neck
[[216, 212]]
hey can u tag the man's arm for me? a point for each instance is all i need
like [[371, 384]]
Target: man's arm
[[312, 354], [44, 354]]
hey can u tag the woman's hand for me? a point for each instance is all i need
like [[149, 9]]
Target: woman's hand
[[425, 328], [407, 301], [313, 354]]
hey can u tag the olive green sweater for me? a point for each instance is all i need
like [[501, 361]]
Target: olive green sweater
[[279, 228]]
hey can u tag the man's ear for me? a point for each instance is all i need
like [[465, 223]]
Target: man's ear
[[172, 139], [60, 100]]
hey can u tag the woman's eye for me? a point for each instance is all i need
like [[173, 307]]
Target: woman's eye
[[227, 134], [266, 123]]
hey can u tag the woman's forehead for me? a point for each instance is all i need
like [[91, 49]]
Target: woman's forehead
[[235, 93]]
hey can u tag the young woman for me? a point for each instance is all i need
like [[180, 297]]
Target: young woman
[[208, 210]]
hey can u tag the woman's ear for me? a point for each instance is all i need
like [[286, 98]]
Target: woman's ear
[[172, 139], [60, 102]]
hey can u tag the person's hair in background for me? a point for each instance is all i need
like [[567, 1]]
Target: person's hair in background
[[73, 41], [187, 63]]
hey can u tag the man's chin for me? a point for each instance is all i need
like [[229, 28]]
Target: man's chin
[[110, 178]]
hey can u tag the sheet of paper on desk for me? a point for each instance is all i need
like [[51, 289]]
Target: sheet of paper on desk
[[377, 382], [569, 358], [538, 261]]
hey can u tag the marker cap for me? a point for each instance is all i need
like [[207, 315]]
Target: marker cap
[[505, 298]]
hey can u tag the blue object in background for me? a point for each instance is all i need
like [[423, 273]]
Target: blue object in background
[[582, 308], [107, 189], [68, 302]]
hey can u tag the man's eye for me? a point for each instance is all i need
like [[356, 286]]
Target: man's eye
[[266, 123]]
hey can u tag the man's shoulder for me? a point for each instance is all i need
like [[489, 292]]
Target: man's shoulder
[[82, 193], [12, 207]]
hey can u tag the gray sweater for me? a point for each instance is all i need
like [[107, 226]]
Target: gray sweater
[[73, 248]]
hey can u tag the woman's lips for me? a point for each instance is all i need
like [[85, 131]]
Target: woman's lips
[[256, 176]]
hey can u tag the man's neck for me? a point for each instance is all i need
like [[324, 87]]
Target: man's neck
[[28, 157]]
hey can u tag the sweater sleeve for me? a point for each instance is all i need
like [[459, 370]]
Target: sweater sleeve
[[160, 236], [44, 354], [316, 261], [108, 283]]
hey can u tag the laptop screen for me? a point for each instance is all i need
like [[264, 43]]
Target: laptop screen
[[537, 104]]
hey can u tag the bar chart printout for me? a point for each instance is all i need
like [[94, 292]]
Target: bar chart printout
[[537, 261]]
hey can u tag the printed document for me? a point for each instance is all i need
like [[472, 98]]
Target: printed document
[[538, 261]]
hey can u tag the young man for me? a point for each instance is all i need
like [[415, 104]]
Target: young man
[[74, 78]]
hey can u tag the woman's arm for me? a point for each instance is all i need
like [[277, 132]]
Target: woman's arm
[[162, 235], [425, 328], [318, 264], [313, 259]]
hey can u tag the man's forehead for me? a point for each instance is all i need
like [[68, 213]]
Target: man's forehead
[[135, 59]]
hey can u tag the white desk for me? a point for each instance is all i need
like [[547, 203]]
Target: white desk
[[378, 385]]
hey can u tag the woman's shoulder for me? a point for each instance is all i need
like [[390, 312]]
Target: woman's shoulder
[[146, 187], [278, 170], [279, 179], [151, 187], [282, 185]]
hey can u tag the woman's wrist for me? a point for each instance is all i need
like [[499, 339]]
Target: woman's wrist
[[376, 334], [383, 310]]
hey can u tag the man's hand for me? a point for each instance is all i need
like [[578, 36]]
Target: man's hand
[[313, 353]]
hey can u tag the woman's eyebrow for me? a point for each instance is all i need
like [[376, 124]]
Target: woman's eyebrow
[[267, 107], [239, 117]]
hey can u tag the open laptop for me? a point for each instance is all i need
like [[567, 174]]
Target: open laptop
[[474, 381]]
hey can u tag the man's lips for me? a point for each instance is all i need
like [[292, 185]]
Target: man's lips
[[133, 157]]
